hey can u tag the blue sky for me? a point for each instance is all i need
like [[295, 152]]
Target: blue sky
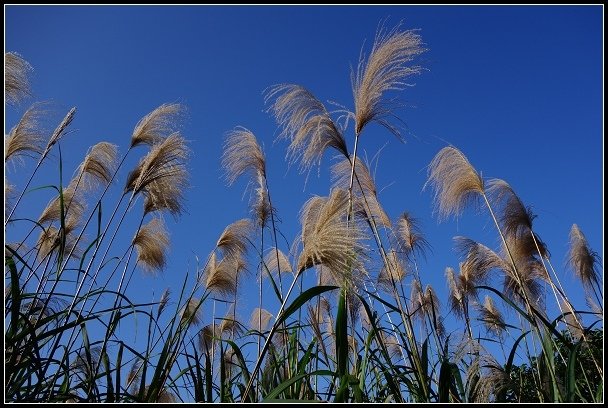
[[518, 89]]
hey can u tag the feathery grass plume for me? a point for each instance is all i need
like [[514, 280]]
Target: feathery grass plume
[[229, 325], [353, 304], [431, 304], [134, 375], [73, 206], [392, 344], [417, 300], [192, 311], [516, 219], [491, 317], [306, 123], [167, 193], [60, 130], [165, 160], [316, 320], [395, 270], [409, 236], [582, 260], [573, 322], [83, 365], [235, 238], [242, 154], [259, 319], [206, 338], [493, 380], [277, 262], [455, 181], [9, 193], [340, 174], [456, 297], [162, 303], [26, 137], [328, 239], [16, 78], [99, 164], [51, 239], [479, 260], [156, 125], [164, 396], [530, 287], [151, 242], [261, 208], [384, 70], [220, 277]]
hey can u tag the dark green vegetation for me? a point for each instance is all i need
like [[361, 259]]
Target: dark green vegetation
[[357, 335]]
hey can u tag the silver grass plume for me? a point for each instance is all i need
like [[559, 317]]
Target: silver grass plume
[[366, 204], [192, 311], [165, 162], [242, 154], [73, 206], [582, 260], [328, 239], [259, 319], [99, 165], [59, 132], [491, 317], [306, 123], [386, 68], [455, 181], [152, 242], [396, 271], [26, 137], [410, 239], [164, 300], [16, 78], [157, 125], [220, 277], [234, 240], [282, 265]]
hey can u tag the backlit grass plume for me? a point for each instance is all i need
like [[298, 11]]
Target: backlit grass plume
[[582, 260], [99, 164], [72, 205], [192, 311], [366, 204], [16, 78], [409, 237], [60, 130], [26, 138], [491, 317], [242, 154], [455, 181], [220, 277], [328, 239], [396, 271], [306, 123], [157, 125], [234, 240], [165, 160], [152, 242], [260, 319], [277, 262], [387, 66]]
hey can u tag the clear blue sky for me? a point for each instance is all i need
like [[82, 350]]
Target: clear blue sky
[[518, 89]]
